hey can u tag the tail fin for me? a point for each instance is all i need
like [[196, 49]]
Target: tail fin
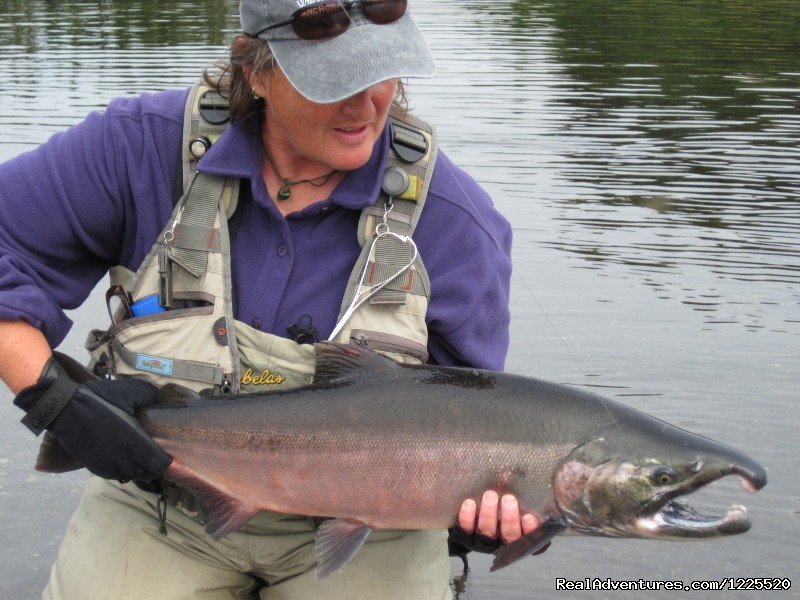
[[54, 458]]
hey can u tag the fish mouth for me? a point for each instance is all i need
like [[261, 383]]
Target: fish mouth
[[677, 520], [680, 521]]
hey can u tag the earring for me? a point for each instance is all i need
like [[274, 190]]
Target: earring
[[255, 95]]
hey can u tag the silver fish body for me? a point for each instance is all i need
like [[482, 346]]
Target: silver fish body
[[375, 444]]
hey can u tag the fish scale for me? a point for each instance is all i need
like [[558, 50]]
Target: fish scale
[[353, 452]]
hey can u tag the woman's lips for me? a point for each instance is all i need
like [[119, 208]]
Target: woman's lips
[[351, 135]]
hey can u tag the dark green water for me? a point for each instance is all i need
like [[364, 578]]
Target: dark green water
[[647, 156]]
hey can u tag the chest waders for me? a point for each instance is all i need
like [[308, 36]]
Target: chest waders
[[197, 343]]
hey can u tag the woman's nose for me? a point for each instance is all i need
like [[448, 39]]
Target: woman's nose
[[360, 106]]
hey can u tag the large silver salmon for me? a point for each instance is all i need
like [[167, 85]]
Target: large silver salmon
[[376, 444]]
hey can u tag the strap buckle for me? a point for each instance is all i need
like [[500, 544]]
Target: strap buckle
[[408, 144]]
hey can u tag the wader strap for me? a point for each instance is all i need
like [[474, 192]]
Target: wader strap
[[408, 282], [207, 115], [412, 140], [173, 367], [196, 235], [200, 206], [212, 105]]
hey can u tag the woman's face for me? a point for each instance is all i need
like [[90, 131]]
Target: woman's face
[[337, 136]]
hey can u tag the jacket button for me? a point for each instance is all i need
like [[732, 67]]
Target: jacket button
[[282, 250], [256, 323]]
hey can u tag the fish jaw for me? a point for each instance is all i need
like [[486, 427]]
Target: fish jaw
[[677, 521]]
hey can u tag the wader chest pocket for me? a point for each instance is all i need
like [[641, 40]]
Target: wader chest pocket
[[268, 362], [393, 345], [171, 347]]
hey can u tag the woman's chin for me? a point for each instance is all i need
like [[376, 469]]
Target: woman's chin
[[345, 154], [350, 161]]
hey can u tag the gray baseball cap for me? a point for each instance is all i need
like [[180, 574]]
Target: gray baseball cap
[[333, 69]]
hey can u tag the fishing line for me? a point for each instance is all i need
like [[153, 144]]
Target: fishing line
[[344, 9], [517, 271], [530, 291]]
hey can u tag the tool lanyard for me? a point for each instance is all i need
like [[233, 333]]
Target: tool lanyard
[[381, 231]]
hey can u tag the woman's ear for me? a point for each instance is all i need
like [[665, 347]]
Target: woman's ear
[[259, 82], [257, 85]]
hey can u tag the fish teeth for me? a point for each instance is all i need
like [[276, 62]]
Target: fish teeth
[[747, 485], [737, 511]]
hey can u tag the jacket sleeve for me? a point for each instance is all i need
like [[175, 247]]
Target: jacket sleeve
[[466, 246], [93, 196], [61, 219]]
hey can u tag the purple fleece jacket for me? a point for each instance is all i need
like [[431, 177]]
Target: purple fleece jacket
[[99, 194]]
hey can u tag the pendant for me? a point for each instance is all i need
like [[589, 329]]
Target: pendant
[[284, 192]]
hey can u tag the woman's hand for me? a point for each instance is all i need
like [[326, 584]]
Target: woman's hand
[[477, 528], [512, 527], [94, 420]]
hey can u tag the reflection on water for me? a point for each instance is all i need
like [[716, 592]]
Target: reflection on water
[[662, 137], [35, 27], [646, 154], [62, 59], [690, 112]]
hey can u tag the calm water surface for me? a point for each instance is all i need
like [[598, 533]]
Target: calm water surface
[[647, 156]]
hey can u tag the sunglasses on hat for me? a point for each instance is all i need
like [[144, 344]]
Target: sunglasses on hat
[[326, 20]]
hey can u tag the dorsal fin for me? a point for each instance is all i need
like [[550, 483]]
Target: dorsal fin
[[173, 395], [337, 363]]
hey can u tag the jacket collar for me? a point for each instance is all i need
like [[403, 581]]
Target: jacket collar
[[237, 153]]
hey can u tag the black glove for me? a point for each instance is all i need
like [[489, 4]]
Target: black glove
[[93, 419], [460, 543]]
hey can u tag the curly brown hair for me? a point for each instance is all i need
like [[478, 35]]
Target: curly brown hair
[[228, 77]]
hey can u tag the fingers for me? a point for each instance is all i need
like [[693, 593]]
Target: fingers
[[487, 517], [529, 523], [510, 524], [466, 516]]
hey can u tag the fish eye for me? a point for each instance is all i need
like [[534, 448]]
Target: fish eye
[[663, 476]]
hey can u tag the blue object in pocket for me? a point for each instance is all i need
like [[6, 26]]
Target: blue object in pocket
[[146, 306]]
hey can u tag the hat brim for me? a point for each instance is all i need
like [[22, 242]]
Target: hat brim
[[326, 71]]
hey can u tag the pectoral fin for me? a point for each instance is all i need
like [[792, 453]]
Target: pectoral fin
[[221, 513], [527, 544], [337, 542]]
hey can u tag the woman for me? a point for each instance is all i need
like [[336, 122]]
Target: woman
[[307, 145]]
